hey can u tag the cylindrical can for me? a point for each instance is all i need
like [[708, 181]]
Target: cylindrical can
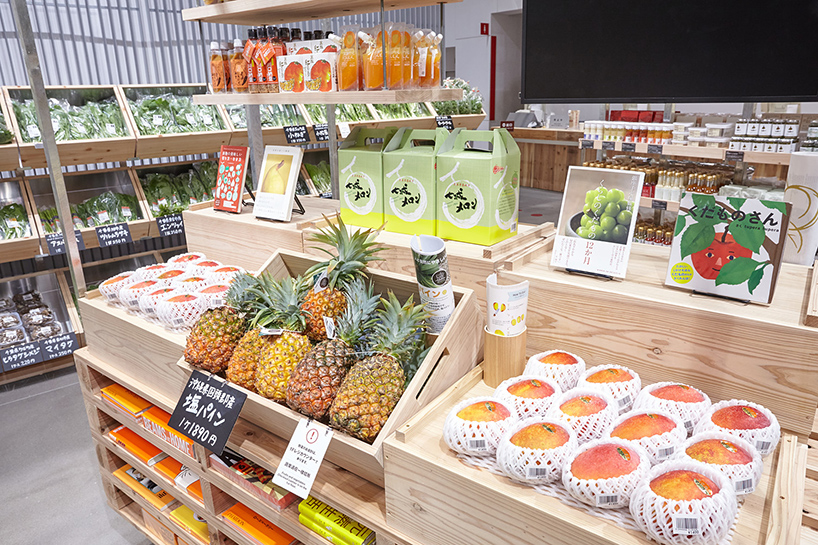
[[434, 280]]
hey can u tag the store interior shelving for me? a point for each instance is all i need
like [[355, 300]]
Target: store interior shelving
[[692, 152], [336, 97]]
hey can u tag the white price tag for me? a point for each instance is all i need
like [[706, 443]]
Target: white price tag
[[111, 128], [478, 445], [344, 129], [190, 118], [607, 499], [12, 223], [207, 118], [688, 526], [537, 472], [689, 426], [303, 457], [625, 401], [162, 202], [33, 131], [329, 324], [216, 302], [185, 478], [270, 331], [321, 283], [745, 486], [665, 453], [158, 120], [763, 446], [126, 211], [103, 216]]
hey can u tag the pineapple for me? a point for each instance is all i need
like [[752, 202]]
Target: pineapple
[[279, 307], [316, 379], [214, 337], [354, 252], [373, 386]]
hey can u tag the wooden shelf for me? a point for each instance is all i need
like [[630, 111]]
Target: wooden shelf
[[650, 202], [257, 12], [695, 152], [337, 97]]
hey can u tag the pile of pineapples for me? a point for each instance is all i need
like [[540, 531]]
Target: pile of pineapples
[[271, 338]]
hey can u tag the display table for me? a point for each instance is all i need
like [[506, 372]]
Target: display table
[[545, 155]]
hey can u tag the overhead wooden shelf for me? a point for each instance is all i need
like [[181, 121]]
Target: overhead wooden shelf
[[258, 12], [337, 97], [693, 152]]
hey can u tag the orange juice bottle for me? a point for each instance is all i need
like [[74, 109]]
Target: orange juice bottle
[[407, 58], [217, 79], [348, 69], [395, 52], [238, 67], [373, 64], [416, 38], [426, 60], [437, 78]]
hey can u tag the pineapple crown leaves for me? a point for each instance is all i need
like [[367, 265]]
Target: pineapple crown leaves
[[397, 326], [278, 303], [239, 295], [359, 315], [354, 252]]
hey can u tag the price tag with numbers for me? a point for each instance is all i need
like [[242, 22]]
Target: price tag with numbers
[[56, 244], [21, 355], [303, 457], [445, 122], [170, 225], [59, 346], [321, 131], [296, 134], [628, 146], [109, 235]]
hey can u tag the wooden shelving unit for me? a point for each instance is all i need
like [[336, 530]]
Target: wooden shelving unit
[[336, 97], [659, 204], [692, 152], [256, 12]]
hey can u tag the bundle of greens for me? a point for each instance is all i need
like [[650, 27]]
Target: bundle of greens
[[345, 113], [171, 194], [6, 137], [320, 176], [104, 209], [472, 102], [171, 114], [13, 221], [93, 120], [272, 115], [402, 111]]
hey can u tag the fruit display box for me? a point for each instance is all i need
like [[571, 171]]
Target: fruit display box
[[13, 191], [246, 241], [430, 510], [453, 353], [72, 152], [166, 145]]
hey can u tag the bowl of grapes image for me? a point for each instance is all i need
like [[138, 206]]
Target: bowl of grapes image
[[605, 216]]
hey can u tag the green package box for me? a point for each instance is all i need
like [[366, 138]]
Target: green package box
[[360, 176], [478, 189], [409, 187]]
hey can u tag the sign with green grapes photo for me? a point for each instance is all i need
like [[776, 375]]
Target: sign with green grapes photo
[[728, 246], [597, 220]]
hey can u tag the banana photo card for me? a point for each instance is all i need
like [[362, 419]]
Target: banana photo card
[[275, 190]]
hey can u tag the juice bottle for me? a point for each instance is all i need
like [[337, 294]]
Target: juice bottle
[[317, 34], [348, 69], [296, 35], [261, 68], [416, 39], [407, 58], [250, 59], [425, 61], [373, 63], [284, 34], [437, 77], [228, 85], [395, 52], [216, 68], [238, 67], [279, 50]]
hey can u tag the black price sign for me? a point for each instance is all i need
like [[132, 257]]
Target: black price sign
[[296, 134], [207, 411], [586, 144], [734, 155], [321, 132], [170, 225], [507, 125], [659, 205], [628, 146], [59, 346], [109, 235], [56, 244], [608, 145], [655, 148], [445, 121], [21, 355]]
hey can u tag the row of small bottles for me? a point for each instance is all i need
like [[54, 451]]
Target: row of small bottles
[[647, 233]]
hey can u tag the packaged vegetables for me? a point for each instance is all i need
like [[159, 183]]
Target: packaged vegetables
[[345, 113], [171, 114], [272, 115], [13, 222], [92, 120], [472, 102], [6, 137], [104, 209], [402, 111], [320, 176], [170, 194]]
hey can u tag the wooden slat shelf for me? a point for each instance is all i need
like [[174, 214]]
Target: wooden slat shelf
[[257, 12], [336, 97], [647, 202], [697, 152]]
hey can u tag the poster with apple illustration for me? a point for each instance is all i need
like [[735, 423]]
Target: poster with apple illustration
[[728, 246], [275, 191]]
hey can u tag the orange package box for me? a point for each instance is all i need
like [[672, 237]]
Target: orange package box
[[155, 420]]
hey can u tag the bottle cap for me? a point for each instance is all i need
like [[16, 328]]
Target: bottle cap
[[238, 44], [252, 34], [214, 45], [307, 35], [262, 33], [272, 32], [317, 34]]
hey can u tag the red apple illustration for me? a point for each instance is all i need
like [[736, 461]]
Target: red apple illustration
[[708, 262]]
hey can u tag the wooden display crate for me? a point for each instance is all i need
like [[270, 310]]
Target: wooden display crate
[[423, 122], [9, 153], [25, 247], [166, 145], [352, 124], [435, 498], [72, 152], [243, 240], [464, 121], [455, 351], [139, 228], [272, 136]]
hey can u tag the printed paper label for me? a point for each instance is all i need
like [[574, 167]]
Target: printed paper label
[[303, 457]]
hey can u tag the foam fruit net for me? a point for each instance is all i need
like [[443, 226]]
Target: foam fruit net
[[223, 277], [624, 393], [699, 522], [745, 477], [764, 440], [475, 438], [658, 447], [533, 465], [214, 298], [148, 301], [190, 286], [527, 407], [181, 260], [606, 493], [110, 288], [689, 413], [151, 272], [180, 315], [564, 375], [592, 426], [129, 295]]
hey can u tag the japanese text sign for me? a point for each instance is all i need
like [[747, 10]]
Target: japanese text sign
[[303, 457]]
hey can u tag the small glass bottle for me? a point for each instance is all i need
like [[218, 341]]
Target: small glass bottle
[[317, 34], [238, 67], [308, 36], [262, 60], [217, 79], [296, 34]]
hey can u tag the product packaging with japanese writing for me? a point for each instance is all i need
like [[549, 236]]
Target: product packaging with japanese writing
[[320, 72], [434, 280], [478, 184], [360, 163], [409, 165]]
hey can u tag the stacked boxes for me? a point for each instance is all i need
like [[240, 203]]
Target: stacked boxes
[[360, 176]]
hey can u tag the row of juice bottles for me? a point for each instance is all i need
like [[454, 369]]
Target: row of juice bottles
[[413, 58], [250, 66]]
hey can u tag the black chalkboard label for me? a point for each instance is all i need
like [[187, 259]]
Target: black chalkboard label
[[587, 144], [655, 148], [296, 134], [21, 355], [56, 244], [731, 155], [59, 346], [445, 121], [509, 125], [608, 145], [207, 411], [628, 146], [321, 132], [110, 235], [170, 225], [659, 205]]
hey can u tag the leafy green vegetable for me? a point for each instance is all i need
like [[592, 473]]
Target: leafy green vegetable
[[106, 208], [345, 113], [171, 114], [6, 136], [92, 120], [402, 111], [13, 221], [472, 102], [169, 194], [320, 176]]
